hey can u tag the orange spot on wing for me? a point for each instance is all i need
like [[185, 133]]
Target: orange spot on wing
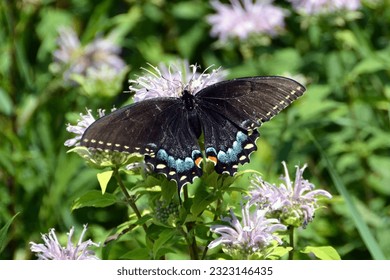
[[213, 159], [198, 161]]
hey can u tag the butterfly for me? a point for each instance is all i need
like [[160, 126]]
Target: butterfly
[[166, 130]]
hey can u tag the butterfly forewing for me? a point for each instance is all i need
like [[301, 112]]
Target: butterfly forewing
[[156, 128], [130, 128], [257, 98]]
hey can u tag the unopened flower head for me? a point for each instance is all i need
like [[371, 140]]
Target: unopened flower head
[[252, 235], [293, 203], [170, 81], [164, 212], [313, 7], [52, 249], [243, 18], [96, 61]]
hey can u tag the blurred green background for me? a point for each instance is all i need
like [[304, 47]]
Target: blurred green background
[[342, 58]]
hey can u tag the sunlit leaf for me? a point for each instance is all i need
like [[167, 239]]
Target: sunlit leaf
[[104, 178], [322, 253]]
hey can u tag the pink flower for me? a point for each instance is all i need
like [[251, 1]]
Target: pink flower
[[244, 18], [52, 249], [324, 6]]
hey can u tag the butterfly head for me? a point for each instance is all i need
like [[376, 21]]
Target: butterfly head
[[188, 99]]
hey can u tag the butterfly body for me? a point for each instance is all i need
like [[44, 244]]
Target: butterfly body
[[167, 130]]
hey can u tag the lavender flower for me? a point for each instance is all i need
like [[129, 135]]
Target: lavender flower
[[52, 249], [313, 7], [244, 18], [170, 81], [293, 203], [253, 235], [97, 62], [81, 126]]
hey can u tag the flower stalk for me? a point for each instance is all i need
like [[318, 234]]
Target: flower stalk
[[291, 241], [129, 198]]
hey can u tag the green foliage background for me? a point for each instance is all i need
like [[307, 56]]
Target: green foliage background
[[344, 58]]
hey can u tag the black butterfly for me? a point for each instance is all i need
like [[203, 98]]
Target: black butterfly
[[166, 130]]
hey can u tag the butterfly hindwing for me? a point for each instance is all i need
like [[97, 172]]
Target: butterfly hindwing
[[177, 154], [226, 143], [232, 111]]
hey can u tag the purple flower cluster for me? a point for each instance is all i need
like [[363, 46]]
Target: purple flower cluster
[[52, 249], [294, 203], [273, 209], [313, 7], [243, 18], [98, 60], [79, 129], [252, 235]]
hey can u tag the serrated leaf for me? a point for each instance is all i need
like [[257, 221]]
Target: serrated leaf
[[3, 232], [94, 199], [323, 252], [104, 178]]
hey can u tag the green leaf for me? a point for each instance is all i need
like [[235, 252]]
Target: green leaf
[[160, 242], [136, 254], [201, 200], [3, 233], [168, 190], [276, 252], [188, 42], [276, 63], [47, 29], [367, 66], [323, 252], [94, 199], [104, 178], [5, 103], [379, 177], [189, 10], [143, 219]]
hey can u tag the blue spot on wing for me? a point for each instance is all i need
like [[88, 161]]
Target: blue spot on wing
[[162, 154]]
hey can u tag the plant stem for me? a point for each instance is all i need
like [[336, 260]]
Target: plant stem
[[129, 198], [185, 191], [190, 236], [193, 247], [291, 237], [217, 211]]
